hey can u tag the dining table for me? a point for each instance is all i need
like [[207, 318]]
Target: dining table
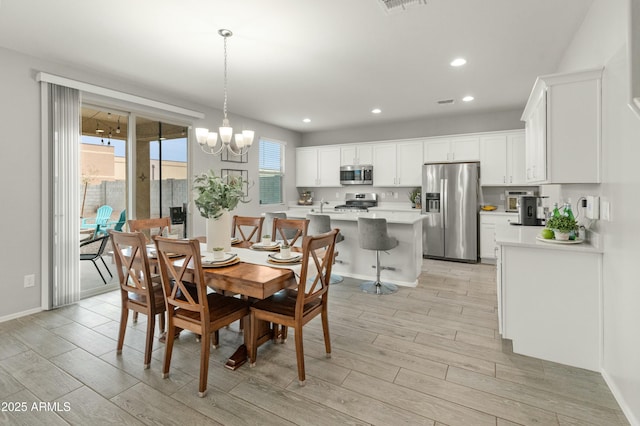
[[255, 276]]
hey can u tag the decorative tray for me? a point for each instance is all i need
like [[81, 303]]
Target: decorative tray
[[554, 241]]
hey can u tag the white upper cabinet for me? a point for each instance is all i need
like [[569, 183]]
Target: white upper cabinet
[[563, 128], [397, 164], [502, 159], [353, 155], [316, 167], [449, 149]]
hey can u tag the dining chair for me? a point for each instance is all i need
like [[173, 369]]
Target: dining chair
[[289, 230], [296, 307], [140, 291], [103, 214], [198, 312], [150, 227], [94, 250], [247, 227]]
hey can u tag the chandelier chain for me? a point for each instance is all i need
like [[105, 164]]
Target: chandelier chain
[[225, 77]]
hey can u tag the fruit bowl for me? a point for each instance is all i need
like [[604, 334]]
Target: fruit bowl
[[488, 208]]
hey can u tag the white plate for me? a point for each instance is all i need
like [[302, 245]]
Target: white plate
[[269, 246], [278, 257], [209, 260], [554, 241]]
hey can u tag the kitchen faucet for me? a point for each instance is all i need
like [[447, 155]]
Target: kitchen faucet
[[322, 203]]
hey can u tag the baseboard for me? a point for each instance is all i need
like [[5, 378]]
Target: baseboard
[[99, 290], [20, 314], [634, 421]]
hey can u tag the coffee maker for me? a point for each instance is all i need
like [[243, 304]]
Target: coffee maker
[[528, 210]]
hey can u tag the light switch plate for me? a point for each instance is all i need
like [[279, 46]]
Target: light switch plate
[[593, 207], [606, 210]]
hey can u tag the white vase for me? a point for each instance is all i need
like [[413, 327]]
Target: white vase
[[219, 232]]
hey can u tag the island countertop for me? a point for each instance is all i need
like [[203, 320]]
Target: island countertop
[[525, 236], [408, 218]]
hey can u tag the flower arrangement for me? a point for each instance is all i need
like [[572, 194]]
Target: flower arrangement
[[216, 194]]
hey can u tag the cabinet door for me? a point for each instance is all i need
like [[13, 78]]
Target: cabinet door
[[493, 160], [536, 142], [487, 241], [516, 169], [306, 167], [384, 164], [365, 154], [348, 155], [436, 150], [409, 163], [329, 167], [465, 148]]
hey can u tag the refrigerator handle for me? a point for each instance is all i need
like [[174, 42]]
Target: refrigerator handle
[[443, 201]]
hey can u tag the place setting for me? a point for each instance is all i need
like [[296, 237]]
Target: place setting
[[219, 258], [285, 256], [266, 244]]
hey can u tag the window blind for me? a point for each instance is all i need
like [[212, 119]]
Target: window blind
[[270, 171]]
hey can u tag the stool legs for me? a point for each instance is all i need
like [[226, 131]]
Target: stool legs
[[378, 287]]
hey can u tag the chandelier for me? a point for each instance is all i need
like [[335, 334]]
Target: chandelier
[[207, 140]]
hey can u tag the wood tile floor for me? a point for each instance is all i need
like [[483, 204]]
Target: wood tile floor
[[429, 355]]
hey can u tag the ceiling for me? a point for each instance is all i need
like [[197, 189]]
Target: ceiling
[[332, 61]]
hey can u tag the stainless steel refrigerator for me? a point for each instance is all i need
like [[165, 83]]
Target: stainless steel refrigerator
[[450, 207]]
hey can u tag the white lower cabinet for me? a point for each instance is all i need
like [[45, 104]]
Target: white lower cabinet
[[550, 303], [488, 222]]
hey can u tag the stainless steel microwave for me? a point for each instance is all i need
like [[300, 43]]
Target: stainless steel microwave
[[356, 175]]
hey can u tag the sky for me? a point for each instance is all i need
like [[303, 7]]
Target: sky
[[172, 150]]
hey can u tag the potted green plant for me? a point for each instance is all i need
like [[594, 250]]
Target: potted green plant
[[562, 226], [414, 197], [215, 197]]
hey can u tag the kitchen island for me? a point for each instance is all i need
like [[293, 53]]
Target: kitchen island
[[352, 261], [550, 297]]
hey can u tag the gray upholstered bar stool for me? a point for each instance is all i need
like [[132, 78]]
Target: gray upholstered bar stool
[[320, 224], [373, 235]]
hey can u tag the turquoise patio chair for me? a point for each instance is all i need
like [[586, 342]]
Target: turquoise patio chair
[[102, 217], [116, 225]]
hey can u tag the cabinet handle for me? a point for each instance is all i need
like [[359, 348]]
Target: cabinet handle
[[504, 179], [453, 156], [510, 179]]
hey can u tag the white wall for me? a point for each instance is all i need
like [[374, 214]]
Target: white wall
[[21, 171], [601, 41], [432, 126]]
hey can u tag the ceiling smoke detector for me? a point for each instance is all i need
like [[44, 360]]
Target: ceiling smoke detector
[[400, 5]]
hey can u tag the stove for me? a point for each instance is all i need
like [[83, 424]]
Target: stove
[[358, 202]]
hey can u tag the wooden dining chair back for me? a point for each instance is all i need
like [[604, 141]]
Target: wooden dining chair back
[[248, 228], [190, 309], [140, 291], [289, 230], [150, 227], [296, 307]]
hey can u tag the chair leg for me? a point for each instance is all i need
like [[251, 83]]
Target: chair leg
[[325, 331], [124, 317], [98, 269], [378, 287], [151, 325], [106, 267], [168, 349], [162, 322], [300, 355], [215, 340], [204, 363]]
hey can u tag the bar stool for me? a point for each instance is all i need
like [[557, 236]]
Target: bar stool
[[373, 235], [320, 224]]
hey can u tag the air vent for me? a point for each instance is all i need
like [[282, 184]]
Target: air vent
[[445, 101], [400, 5]]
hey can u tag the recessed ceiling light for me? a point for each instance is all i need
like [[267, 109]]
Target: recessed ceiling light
[[376, 111], [467, 98], [306, 120], [458, 62]]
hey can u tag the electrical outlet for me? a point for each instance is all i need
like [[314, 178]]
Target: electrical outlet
[[593, 207], [29, 280], [395, 195], [337, 195], [384, 194]]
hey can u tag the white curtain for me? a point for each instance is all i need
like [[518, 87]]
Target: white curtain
[[64, 138]]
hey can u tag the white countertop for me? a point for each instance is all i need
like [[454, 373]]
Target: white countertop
[[525, 236], [400, 217], [499, 210]]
